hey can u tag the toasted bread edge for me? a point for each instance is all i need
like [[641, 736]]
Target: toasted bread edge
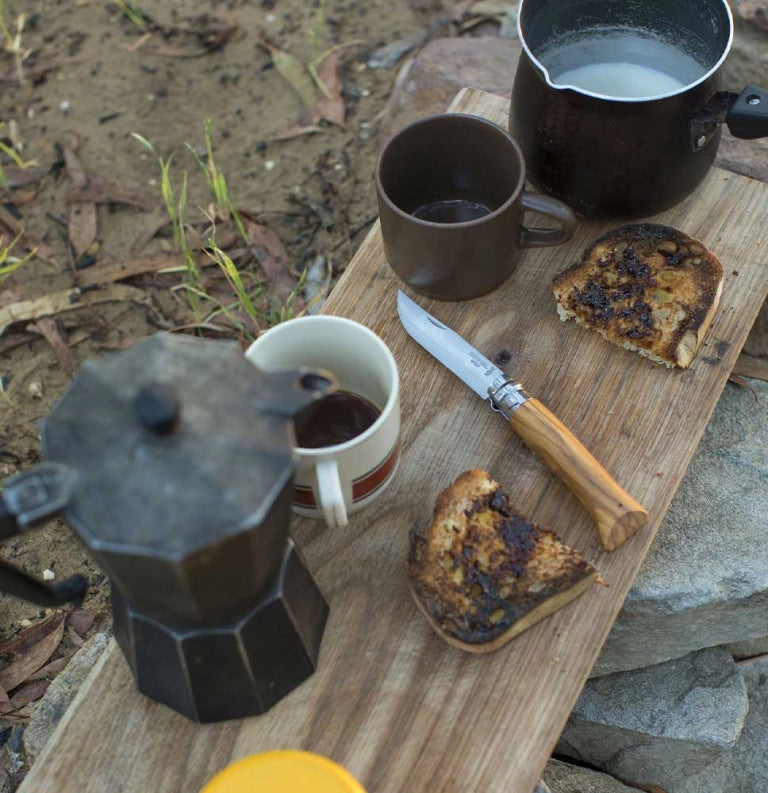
[[536, 614]]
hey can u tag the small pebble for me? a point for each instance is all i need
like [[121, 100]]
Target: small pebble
[[25, 623], [269, 165], [365, 92], [271, 17], [35, 389], [48, 575], [64, 106]]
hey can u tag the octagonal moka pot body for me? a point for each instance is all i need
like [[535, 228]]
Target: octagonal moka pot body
[[604, 152], [172, 461]]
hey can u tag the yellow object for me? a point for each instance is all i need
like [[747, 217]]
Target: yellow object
[[284, 771]]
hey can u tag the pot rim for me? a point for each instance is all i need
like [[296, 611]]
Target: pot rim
[[626, 99]]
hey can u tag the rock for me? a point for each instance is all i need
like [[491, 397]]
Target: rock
[[747, 62], [743, 769], [747, 157], [60, 693], [751, 12], [390, 54], [705, 579], [541, 787], [748, 649], [428, 83], [756, 344], [657, 726], [565, 778]]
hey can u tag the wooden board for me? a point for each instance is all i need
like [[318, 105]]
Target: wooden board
[[391, 701]]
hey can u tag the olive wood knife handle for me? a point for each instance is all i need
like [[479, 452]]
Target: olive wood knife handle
[[617, 514]]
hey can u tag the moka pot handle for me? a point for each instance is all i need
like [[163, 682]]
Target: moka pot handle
[[27, 499]]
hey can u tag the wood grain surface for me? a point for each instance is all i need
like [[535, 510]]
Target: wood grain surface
[[391, 701]]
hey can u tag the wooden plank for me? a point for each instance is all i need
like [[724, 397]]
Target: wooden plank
[[391, 701]]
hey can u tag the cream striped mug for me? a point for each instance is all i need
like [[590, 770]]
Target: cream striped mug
[[349, 449]]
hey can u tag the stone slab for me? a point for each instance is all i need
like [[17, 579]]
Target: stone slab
[[566, 778], [428, 83], [743, 769], [705, 579], [657, 726], [748, 649]]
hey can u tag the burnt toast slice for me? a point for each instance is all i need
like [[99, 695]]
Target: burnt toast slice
[[483, 573], [646, 287]]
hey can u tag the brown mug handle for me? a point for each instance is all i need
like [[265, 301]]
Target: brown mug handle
[[541, 238]]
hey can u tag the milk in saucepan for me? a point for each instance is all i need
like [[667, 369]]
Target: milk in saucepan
[[627, 80], [620, 64]]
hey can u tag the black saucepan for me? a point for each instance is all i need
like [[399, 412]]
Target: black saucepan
[[626, 150]]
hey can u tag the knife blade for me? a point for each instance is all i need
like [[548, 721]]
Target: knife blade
[[617, 515]]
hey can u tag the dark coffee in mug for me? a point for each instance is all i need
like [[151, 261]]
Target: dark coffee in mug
[[451, 210], [338, 418]]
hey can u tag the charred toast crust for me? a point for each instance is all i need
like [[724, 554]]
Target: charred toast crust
[[483, 566], [632, 273]]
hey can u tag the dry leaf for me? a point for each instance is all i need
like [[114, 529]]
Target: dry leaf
[[46, 327], [73, 637], [272, 258], [82, 224], [154, 223], [75, 170], [82, 227], [27, 638], [294, 71], [17, 177], [18, 671], [21, 715], [20, 198], [98, 192], [117, 271], [330, 106], [29, 692], [50, 670], [68, 300], [294, 132], [81, 620]]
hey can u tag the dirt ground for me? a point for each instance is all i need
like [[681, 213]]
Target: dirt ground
[[81, 78]]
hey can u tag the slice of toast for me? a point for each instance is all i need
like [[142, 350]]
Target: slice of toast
[[483, 573], [645, 287]]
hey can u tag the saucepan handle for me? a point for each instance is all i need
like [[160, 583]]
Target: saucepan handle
[[540, 238], [748, 115]]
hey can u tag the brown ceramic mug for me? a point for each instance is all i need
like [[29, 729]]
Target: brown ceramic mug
[[451, 205]]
